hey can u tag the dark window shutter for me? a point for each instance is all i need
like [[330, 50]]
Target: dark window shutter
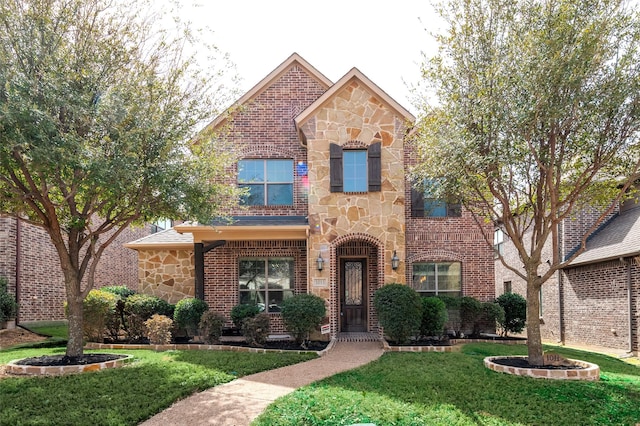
[[335, 167], [417, 203], [375, 167]]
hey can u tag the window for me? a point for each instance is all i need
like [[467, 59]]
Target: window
[[355, 170], [498, 242], [507, 287], [433, 279], [266, 282], [161, 225], [424, 204], [270, 182], [353, 163]]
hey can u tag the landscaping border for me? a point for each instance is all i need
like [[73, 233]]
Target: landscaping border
[[32, 370], [588, 372], [447, 348]]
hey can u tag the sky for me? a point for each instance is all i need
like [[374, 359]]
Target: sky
[[383, 39]]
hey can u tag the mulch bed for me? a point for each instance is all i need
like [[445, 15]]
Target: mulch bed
[[63, 360], [524, 363]]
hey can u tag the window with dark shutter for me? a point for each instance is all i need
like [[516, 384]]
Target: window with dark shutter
[[417, 203], [335, 166], [375, 166]]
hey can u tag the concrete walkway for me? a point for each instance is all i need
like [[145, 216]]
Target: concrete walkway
[[239, 402]]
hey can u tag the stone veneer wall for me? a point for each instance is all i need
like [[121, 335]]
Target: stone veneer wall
[[169, 274]]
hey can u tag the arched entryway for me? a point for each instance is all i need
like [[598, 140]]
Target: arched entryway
[[357, 275]]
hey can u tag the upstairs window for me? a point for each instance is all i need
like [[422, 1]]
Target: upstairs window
[[355, 170], [498, 242], [425, 204], [270, 182]]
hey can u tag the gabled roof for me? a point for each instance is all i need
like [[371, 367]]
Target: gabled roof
[[353, 74], [264, 84], [167, 239], [620, 238]]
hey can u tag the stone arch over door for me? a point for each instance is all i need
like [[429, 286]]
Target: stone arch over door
[[351, 248]]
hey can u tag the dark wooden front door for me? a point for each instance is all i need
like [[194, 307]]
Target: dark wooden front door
[[353, 291]]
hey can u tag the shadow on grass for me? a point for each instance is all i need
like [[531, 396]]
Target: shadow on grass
[[456, 388]]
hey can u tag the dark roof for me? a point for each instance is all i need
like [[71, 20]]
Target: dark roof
[[620, 238], [262, 221]]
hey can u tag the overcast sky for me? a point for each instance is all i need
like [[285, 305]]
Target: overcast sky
[[384, 40]]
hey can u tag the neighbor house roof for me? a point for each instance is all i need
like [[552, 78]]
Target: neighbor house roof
[[167, 239], [620, 238]]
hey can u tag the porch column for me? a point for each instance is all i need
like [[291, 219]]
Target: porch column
[[199, 249]]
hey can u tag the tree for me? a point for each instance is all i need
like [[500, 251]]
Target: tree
[[98, 104], [532, 114]]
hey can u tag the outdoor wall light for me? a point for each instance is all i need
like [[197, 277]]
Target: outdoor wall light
[[320, 262], [395, 261]]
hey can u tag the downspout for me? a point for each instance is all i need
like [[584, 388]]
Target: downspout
[[561, 286], [18, 265], [630, 306]]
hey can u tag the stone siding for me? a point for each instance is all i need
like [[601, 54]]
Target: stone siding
[[168, 274]]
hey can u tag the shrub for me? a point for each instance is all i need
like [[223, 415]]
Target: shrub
[[515, 312], [8, 304], [140, 307], [301, 314], [188, 313], [256, 329], [470, 315], [493, 314], [454, 322], [211, 326], [434, 316], [399, 311], [96, 308], [243, 311], [121, 290], [159, 329]]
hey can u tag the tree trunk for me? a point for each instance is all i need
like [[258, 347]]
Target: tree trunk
[[534, 339], [75, 316]]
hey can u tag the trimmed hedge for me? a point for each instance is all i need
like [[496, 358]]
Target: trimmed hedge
[[302, 313], [243, 311], [188, 313], [434, 316], [399, 311], [515, 312]]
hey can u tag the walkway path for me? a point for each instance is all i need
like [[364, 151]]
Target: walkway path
[[239, 402]]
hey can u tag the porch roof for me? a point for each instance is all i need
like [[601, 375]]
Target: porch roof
[[620, 238], [249, 228]]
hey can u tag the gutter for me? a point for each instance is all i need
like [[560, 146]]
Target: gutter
[[630, 304], [18, 265]]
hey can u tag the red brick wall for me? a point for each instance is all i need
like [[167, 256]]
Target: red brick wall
[[221, 286], [42, 293], [265, 129], [451, 239]]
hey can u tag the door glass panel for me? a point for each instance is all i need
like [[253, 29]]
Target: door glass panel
[[353, 283]]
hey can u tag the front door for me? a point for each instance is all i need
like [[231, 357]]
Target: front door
[[353, 303]]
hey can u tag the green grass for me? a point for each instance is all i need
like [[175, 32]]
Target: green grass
[[123, 396], [456, 389], [60, 331]]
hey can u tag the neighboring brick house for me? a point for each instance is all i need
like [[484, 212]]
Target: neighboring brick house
[[330, 212], [31, 265], [595, 300]]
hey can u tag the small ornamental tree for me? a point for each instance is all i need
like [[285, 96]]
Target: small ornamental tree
[[301, 314], [399, 311]]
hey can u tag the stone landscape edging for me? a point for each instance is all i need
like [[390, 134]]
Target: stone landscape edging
[[59, 370], [447, 348], [588, 372]]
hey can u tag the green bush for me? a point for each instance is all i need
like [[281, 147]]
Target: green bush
[[470, 315], [121, 290], [188, 313], [140, 307], [159, 329], [256, 329], [211, 325], [493, 314], [434, 316], [399, 311], [97, 307], [515, 313], [243, 311], [301, 314], [8, 304], [454, 323]]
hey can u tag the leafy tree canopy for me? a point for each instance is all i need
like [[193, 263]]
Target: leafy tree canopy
[[98, 102], [532, 113]]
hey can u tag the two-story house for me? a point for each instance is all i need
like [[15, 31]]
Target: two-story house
[[330, 211]]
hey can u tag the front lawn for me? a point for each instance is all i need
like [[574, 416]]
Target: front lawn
[[123, 396], [456, 389]]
